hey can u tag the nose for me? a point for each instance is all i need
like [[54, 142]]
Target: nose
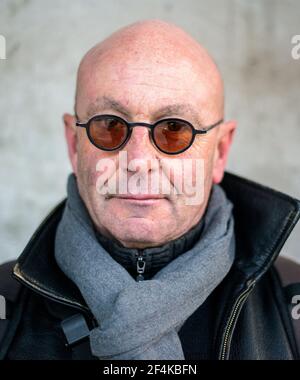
[[140, 146], [142, 155]]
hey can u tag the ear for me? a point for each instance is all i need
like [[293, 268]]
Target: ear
[[224, 142], [71, 137]]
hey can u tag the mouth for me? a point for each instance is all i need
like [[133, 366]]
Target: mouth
[[140, 199], [140, 196]]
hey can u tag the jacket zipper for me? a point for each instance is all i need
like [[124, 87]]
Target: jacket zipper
[[140, 265], [224, 354]]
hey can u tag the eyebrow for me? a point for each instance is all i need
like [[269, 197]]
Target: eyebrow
[[108, 103], [104, 103]]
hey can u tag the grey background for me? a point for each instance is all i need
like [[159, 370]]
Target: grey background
[[250, 40]]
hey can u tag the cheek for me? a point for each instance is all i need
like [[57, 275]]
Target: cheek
[[200, 173], [201, 150], [88, 158], [201, 147], [186, 176]]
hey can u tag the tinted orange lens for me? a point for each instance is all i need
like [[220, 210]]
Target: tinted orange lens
[[173, 136], [108, 133]]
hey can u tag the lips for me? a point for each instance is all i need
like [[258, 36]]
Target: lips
[[140, 197]]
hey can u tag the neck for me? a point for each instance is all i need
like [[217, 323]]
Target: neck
[[144, 263]]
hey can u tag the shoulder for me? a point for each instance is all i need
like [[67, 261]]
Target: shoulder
[[289, 275], [9, 286], [288, 270]]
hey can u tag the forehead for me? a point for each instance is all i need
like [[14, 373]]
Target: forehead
[[139, 86], [106, 103]]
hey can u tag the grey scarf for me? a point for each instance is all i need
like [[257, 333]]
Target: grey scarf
[[141, 320]]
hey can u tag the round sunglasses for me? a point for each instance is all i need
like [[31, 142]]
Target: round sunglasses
[[170, 136]]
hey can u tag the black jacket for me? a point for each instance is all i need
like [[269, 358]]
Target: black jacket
[[246, 317]]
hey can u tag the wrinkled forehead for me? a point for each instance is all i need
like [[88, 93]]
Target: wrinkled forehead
[[144, 81]]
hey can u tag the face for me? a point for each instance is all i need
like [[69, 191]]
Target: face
[[140, 89]]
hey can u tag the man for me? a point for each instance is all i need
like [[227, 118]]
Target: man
[[119, 273]]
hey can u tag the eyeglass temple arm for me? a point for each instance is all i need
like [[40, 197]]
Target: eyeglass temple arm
[[78, 124], [201, 131], [83, 125]]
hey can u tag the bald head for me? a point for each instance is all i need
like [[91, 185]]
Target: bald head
[[146, 46]]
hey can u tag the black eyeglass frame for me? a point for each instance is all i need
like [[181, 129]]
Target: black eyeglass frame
[[130, 126]]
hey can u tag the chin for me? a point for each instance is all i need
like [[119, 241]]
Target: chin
[[139, 234]]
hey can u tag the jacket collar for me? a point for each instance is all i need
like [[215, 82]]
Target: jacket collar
[[264, 219]]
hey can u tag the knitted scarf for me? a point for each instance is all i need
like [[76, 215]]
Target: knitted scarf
[[141, 320]]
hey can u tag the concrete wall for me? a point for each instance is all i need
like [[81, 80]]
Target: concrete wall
[[251, 41]]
